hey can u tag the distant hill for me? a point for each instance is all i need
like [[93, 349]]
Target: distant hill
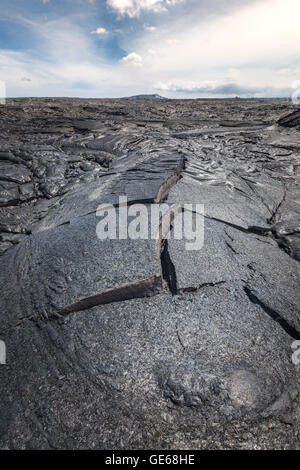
[[145, 97]]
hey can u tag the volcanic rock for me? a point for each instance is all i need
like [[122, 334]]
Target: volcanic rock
[[142, 343]]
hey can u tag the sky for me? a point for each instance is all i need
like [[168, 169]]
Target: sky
[[175, 48]]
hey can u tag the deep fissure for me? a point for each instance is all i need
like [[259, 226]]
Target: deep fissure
[[289, 329]]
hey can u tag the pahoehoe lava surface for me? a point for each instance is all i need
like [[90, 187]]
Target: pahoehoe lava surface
[[120, 344]]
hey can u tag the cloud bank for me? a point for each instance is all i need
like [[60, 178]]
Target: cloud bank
[[133, 8]]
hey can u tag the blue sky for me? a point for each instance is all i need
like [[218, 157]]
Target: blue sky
[[177, 48]]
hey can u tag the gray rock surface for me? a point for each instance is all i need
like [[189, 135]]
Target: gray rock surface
[[141, 344], [291, 120]]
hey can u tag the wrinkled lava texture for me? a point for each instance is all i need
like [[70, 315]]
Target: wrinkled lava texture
[[139, 344]]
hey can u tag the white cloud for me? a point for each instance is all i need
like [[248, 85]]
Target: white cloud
[[100, 31], [150, 28], [183, 85], [289, 72], [133, 8], [173, 41], [248, 45], [206, 86], [132, 60], [265, 32], [52, 72], [221, 88]]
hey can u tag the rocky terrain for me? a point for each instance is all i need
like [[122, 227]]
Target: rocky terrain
[[141, 344]]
